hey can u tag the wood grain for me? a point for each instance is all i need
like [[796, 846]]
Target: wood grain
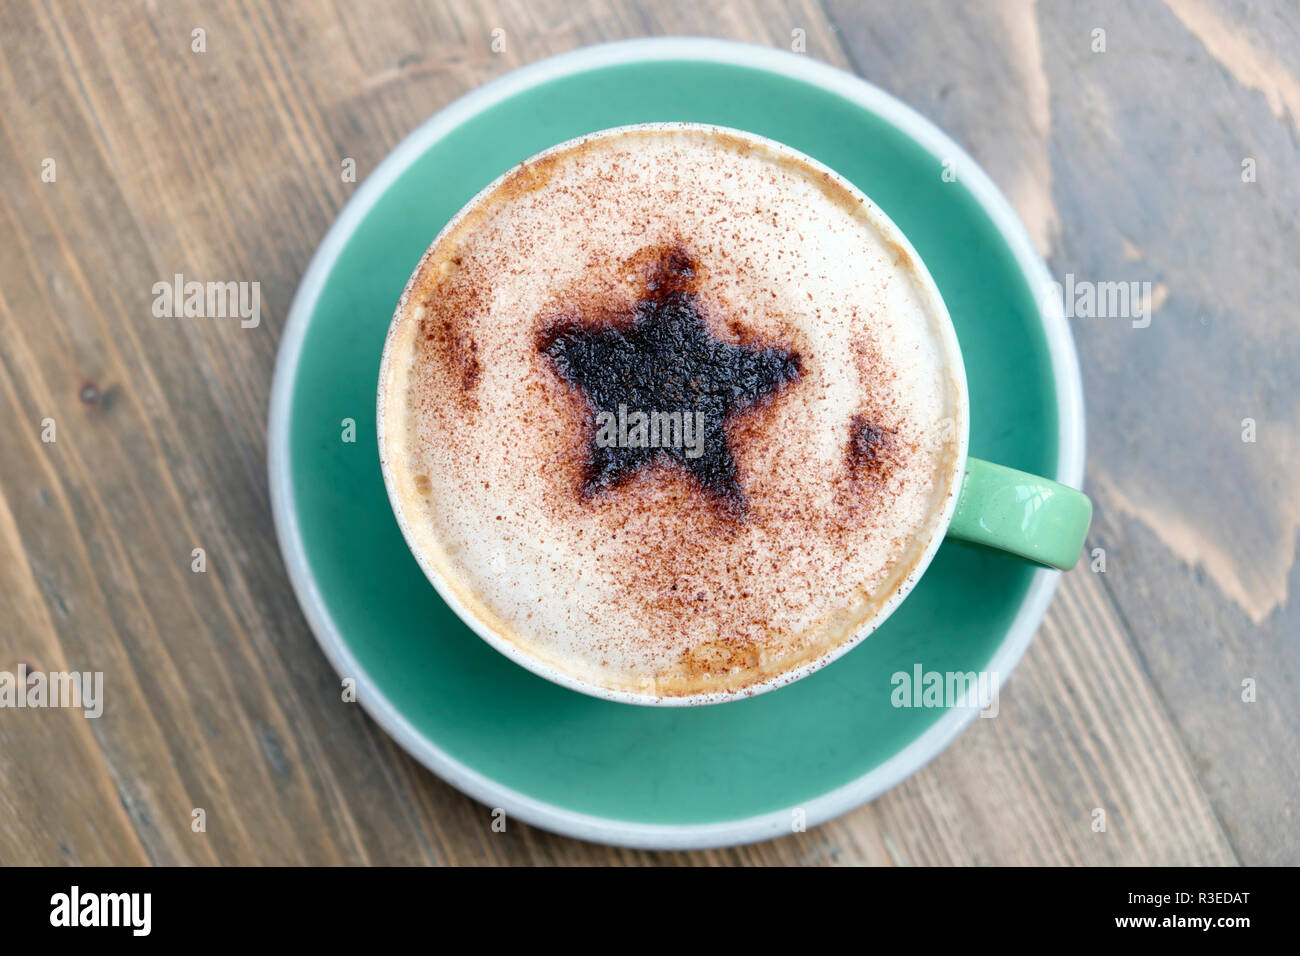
[[1125, 164]]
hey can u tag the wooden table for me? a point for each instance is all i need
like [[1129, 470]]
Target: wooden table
[[1169, 157]]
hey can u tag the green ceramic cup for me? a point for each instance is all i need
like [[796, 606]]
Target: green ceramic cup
[[991, 505]]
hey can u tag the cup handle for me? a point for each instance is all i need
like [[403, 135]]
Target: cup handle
[[1022, 514]]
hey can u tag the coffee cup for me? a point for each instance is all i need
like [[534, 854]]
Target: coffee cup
[[673, 414]]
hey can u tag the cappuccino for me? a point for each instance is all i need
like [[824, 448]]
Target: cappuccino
[[671, 412]]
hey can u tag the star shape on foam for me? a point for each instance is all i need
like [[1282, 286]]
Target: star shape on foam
[[663, 388]]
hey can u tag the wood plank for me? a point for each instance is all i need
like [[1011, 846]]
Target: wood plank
[[1127, 166]]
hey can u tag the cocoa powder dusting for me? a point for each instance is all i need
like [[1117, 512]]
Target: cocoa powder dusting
[[872, 448], [661, 388]]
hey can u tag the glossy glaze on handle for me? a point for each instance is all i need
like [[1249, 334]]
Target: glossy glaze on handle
[[1023, 514]]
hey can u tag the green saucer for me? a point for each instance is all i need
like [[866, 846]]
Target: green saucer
[[668, 778]]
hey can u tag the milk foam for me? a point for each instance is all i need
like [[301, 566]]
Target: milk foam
[[647, 587]]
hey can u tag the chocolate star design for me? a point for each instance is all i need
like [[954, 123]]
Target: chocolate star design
[[666, 367]]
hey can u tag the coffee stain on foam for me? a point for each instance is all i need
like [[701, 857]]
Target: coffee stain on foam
[[1030, 184], [1254, 580], [1252, 67]]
